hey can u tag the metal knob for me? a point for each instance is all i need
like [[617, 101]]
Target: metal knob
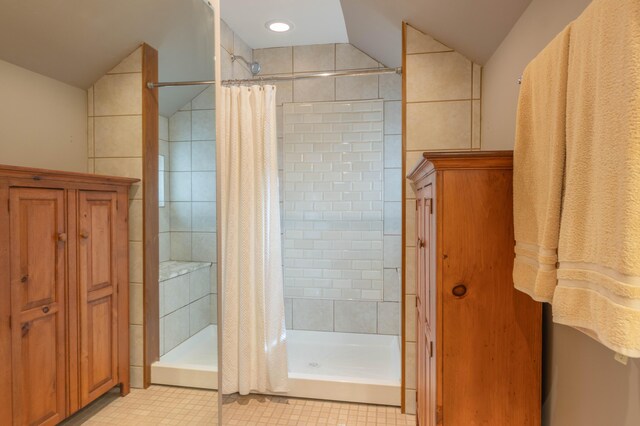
[[45, 309], [62, 237], [459, 290], [25, 328], [84, 235], [24, 278]]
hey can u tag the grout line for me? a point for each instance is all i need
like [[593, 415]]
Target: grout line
[[430, 53], [114, 115], [436, 101]]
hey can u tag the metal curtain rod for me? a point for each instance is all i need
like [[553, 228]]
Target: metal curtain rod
[[300, 76]]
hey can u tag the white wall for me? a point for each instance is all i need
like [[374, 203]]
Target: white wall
[[583, 384], [537, 26], [43, 122]]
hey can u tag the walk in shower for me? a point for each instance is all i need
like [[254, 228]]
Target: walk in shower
[[188, 265], [339, 151]]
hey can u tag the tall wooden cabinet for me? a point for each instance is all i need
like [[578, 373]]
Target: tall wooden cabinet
[[64, 308], [479, 341]]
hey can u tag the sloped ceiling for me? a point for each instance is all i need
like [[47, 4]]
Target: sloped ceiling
[[474, 28], [77, 41]]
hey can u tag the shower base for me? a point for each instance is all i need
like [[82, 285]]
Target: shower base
[[322, 365]]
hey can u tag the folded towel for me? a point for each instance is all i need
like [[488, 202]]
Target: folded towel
[[599, 246], [538, 169]]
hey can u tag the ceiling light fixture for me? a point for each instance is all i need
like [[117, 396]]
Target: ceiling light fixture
[[279, 26]]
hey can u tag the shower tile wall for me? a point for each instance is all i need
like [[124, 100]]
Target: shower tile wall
[[188, 219], [333, 200], [330, 314], [164, 215], [191, 212], [115, 148]]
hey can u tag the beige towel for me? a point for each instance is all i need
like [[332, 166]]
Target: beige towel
[[599, 248], [538, 169]]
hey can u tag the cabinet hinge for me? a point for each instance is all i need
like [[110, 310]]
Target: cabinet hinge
[[9, 204], [9, 321], [117, 204], [430, 205], [430, 349]]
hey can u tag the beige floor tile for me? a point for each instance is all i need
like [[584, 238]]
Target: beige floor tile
[[163, 405]]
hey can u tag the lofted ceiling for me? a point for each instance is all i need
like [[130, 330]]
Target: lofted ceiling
[[76, 41]]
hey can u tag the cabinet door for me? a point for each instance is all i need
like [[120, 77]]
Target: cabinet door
[[97, 293], [37, 305], [489, 327], [421, 357], [429, 306], [424, 296]]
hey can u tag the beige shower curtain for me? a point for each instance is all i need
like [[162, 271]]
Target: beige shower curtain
[[254, 352]]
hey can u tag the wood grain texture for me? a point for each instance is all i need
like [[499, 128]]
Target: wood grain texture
[[6, 411], [60, 179], [73, 323], [151, 292], [38, 338], [403, 228], [425, 307], [98, 287], [39, 315], [487, 334], [122, 258]]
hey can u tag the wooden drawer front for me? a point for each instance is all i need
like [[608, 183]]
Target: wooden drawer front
[[97, 294], [37, 294]]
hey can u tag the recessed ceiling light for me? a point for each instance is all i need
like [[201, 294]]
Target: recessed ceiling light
[[279, 26]]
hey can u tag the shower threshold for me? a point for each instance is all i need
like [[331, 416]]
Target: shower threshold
[[322, 365]]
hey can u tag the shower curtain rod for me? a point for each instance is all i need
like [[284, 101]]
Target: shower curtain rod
[[300, 76]]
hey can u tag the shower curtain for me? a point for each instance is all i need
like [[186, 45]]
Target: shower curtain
[[254, 351]]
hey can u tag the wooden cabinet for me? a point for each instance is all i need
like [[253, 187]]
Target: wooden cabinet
[[37, 291], [63, 292], [478, 339]]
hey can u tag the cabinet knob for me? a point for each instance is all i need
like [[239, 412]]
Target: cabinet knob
[[24, 278], [62, 237], [84, 235], [45, 309], [459, 290], [25, 328], [420, 243]]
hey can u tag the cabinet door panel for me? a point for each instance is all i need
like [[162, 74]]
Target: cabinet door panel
[[97, 293], [37, 292], [487, 323]]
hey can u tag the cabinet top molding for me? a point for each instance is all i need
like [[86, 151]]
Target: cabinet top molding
[[432, 161], [58, 175]]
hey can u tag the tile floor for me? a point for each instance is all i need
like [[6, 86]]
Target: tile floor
[[164, 405], [265, 410]]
